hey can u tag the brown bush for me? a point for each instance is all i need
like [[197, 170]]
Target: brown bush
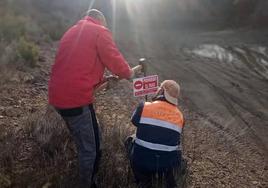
[[7, 153]]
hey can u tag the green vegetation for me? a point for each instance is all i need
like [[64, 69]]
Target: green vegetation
[[26, 23], [13, 34], [28, 51], [12, 27]]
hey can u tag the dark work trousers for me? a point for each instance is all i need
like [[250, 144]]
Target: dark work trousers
[[83, 126], [147, 179]]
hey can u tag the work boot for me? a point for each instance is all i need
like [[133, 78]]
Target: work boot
[[93, 185], [183, 166], [129, 144], [182, 173]]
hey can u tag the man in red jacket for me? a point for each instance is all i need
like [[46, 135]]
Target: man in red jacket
[[85, 50]]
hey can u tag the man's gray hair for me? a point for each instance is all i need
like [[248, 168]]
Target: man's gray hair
[[96, 14]]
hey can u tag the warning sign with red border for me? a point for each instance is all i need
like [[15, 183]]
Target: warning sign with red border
[[145, 86]]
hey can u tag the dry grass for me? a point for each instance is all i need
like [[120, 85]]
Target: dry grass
[[115, 169], [48, 131], [43, 154], [7, 152]]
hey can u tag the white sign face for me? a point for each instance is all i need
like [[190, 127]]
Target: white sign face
[[145, 86]]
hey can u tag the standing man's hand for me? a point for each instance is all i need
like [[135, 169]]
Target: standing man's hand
[[136, 71], [111, 78]]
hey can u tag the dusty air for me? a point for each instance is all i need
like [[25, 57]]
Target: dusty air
[[133, 93]]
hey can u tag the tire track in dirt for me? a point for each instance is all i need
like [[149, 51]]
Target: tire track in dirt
[[225, 99], [230, 74], [235, 99], [228, 101], [171, 70]]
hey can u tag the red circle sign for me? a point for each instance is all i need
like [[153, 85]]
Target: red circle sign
[[138, 84]]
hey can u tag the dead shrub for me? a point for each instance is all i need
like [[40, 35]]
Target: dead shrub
[[115, 168], [52, 149], [48, 130]]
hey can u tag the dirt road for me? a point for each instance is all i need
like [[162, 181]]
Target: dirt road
[[224, 74]]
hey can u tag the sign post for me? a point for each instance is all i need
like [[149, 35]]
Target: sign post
[[144, 70]]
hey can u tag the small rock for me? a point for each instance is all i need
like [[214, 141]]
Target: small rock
[[28, 78], [15, 78], [120, 116], [11, 112], [42, 58], [47, 185]]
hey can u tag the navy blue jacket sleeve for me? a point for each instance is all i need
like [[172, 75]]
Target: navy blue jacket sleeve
[[135, 119]]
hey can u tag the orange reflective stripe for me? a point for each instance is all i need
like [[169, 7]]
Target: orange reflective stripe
[[163, 111]]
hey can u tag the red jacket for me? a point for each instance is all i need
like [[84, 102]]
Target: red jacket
[[85, 50]]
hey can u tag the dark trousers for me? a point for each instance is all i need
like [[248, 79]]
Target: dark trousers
[[83, 127], [164, 178], [147, 179]]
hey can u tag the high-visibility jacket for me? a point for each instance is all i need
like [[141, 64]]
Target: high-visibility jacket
[[84, 51], [157, 143]]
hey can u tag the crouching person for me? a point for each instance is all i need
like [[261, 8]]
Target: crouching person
[[154, 151]]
